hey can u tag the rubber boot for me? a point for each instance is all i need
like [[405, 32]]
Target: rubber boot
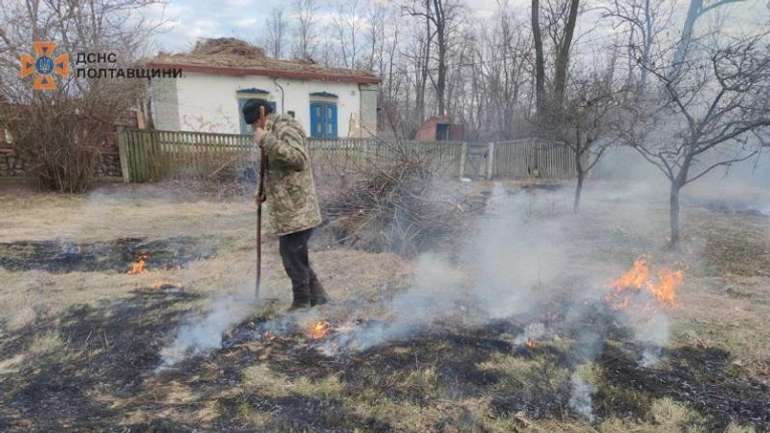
[[301, 298], [318, 295]]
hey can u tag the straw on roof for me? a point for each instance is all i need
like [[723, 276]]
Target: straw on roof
[[231, 56]]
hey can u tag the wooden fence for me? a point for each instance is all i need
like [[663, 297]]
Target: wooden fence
[[531, 158], [151, 155]]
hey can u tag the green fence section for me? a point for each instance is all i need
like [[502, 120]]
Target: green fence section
[[152, 155]]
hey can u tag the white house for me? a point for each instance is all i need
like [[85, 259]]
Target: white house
[[219, 75]]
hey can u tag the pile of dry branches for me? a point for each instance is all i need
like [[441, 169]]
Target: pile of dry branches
[[399, 204], [62, 140]]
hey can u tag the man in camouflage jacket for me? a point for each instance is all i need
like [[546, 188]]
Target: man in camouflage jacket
[[291, 197]]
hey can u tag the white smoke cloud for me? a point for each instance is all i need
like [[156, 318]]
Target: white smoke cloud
[[436, 289], [200, 335], [581, 399]]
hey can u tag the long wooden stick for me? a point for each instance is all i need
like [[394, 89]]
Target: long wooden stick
[[260, 199]]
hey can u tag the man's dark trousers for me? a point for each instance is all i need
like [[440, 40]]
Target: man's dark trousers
[[294, 254]]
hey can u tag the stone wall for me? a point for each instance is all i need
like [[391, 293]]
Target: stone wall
[[11, 165], [109, 166]]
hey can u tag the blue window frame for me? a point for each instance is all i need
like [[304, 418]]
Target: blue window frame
[[323, 120]]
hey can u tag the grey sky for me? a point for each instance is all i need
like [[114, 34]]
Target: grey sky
[[187, 20]]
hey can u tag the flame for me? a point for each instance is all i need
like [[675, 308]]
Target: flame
[[530, 343], [638, 279], [138, 266], [668, 282], [319, 330]]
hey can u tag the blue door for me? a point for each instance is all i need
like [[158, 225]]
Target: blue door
[[323, 120]]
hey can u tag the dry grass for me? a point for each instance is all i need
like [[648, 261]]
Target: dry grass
[[155, 213], [110, 213], [724, 303]]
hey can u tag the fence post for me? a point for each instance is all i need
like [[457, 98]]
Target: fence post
[[490, 160], [463, 152], [123, 155]]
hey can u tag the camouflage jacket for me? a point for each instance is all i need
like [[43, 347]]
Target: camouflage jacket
[[289, 187]]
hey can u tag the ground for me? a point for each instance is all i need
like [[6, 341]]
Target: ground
[[82, 338]]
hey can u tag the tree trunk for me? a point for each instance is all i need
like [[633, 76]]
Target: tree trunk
[[440, 21], [693, 12], [423, 77], [674, 214], [647, 48], [441, 84], [562, 58], [539, 58], [578, 193], [580, 179]]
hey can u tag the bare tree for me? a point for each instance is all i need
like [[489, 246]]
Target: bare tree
[[563, 47], [348, 27], [537, 36], [419, 54], [440, 17], [377, 17], [695, 11], [499, 74], [62, 132], [305, 43], [585, 124], [277, 26], [645, 21], [709, 116], [560, 22]]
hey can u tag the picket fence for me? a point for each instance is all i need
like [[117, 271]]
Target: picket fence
[[153, 155]]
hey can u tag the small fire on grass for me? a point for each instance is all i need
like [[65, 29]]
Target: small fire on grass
[[530, 343], [640, 281], [318, 330], [138, 266]]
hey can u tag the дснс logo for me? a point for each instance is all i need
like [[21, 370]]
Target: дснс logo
[[44, 66]]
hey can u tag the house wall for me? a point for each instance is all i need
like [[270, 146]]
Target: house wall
[[208, 103], [164, 103], [369, 94]]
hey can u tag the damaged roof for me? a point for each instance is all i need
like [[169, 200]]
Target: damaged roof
[[231, 56]]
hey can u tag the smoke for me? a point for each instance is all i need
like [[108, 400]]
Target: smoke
[[527, 253], [511, 264], [507, 266], [436, 290], [581, 398], [653, 331], [515, 257], [201, 335], [740, 187], [533, 331]]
